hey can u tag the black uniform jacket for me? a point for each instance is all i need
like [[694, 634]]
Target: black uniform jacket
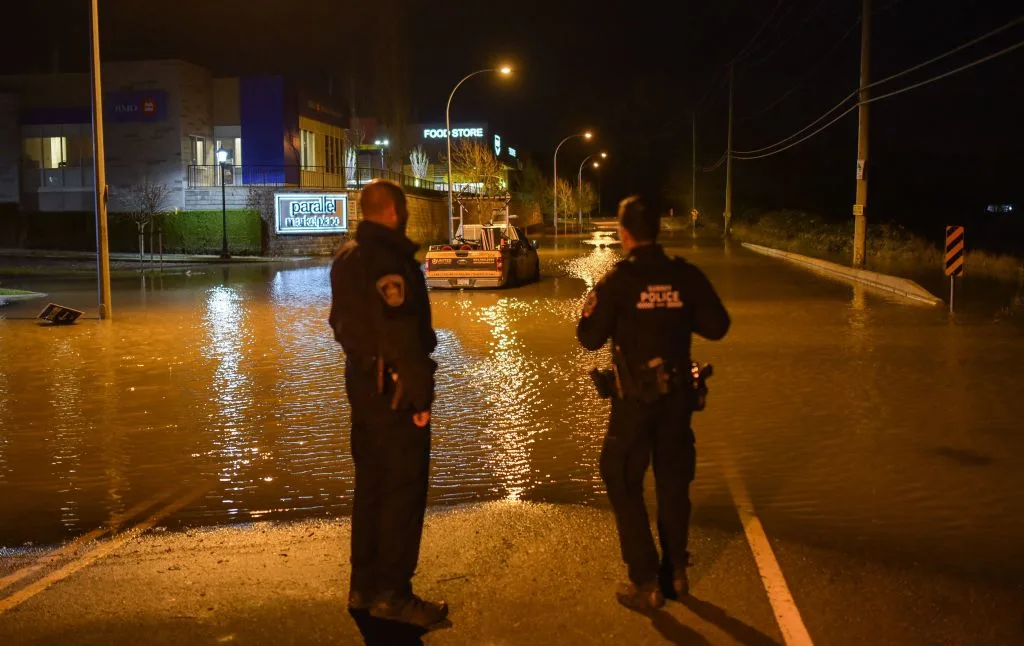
[[380, 308], [649, 305]]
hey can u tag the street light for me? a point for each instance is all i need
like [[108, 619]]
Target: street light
[[222, 159], [579, 185], [504, 70], [382, 144], [554, 194]]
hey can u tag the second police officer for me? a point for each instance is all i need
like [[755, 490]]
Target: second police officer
[[649, 305]]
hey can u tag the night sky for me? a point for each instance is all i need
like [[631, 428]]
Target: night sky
[[631, 73]]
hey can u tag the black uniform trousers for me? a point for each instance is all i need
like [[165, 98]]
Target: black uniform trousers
[[392, 462], [638, 434]]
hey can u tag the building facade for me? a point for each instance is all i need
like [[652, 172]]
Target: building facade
[[166, 122]]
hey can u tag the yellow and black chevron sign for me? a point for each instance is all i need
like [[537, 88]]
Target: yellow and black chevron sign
[[954, 251]]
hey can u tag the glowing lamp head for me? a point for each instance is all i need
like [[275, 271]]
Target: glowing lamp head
[[222, 156], [588, 135], [505, 70], [604, 155], [597, 165]]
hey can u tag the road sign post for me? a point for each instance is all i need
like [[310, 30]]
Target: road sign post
[[954, 257]]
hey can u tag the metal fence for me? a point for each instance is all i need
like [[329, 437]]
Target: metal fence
[[318, 177]]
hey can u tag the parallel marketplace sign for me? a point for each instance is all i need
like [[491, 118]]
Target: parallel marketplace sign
[[296, 213]]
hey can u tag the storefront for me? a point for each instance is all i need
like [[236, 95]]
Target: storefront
[[171, 123]]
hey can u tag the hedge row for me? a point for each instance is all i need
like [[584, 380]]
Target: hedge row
[[186, 232]]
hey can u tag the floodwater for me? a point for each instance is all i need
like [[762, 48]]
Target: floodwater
[[853, 418]]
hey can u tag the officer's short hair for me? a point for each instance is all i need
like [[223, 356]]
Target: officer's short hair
[[378, 195], [642, 222]]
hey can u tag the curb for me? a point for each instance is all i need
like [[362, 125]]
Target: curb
[[14, 298], [894, 285]]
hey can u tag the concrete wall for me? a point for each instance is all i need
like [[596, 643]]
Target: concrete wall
[[10, 149], [428, 223], [137, 150], [226, 111]]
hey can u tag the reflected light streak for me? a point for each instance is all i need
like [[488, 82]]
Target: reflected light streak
[[224, 318]]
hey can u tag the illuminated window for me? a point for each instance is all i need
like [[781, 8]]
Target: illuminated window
[[308, 149], [32, 151], [198, 145]]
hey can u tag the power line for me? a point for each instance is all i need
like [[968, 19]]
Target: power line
[[713, 88], [821, 62], [757, 34], [1006, 50], [853, 94], [713, 167], [779, 46]]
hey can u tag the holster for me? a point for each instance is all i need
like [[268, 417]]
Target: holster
[[389, 383]]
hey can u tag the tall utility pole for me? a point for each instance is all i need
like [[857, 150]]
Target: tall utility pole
[[859, 219], [99, 171], [728, 161]]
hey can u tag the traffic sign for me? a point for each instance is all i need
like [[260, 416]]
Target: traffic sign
[[59, 315], [954, 258]]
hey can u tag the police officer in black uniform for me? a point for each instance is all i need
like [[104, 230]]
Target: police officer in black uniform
[[649, 305], [380, 313]]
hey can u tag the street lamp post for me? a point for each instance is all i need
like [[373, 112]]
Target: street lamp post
[[504, 71], [554, 188], [382, 144], [222, 160], [579, 187]]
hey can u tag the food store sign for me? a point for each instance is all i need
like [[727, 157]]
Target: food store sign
[[442, 133], [318, 213]]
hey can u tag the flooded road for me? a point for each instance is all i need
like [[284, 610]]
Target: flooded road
[[857, 422]]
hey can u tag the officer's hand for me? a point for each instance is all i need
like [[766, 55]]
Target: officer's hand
[[421, 419]]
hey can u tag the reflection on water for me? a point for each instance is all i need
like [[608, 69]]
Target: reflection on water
[[848, 414]]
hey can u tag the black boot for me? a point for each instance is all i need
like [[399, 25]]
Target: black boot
[[359, 600], [641, 597], [410, 609]]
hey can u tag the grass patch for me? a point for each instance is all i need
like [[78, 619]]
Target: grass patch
[[891, 248], [14, 292]]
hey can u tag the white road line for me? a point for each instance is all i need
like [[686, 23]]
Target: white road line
[[111, 526], [99, 552], [794, 633]]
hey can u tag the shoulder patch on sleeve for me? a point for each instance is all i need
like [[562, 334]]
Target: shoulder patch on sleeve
[[391, 288]]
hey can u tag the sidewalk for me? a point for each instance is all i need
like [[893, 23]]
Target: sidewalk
[[513, 573], [43, 254]]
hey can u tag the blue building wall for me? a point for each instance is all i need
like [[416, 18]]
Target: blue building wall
[[262, 113]]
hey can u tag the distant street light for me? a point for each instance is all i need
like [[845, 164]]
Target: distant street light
[[222, 160], [382, 144], [554, 194], [579, 186], [504, 70]]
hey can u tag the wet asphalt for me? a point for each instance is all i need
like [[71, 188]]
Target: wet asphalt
[[878, 441]]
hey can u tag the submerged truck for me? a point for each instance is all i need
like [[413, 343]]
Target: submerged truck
[[483, 257]]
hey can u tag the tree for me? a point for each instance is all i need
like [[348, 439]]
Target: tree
[[567, 201], [141, 203], [473, 163], [420, 162], [588, 198], [351, 158], [535, 188]]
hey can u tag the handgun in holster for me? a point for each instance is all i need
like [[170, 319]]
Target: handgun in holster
[[614, 381], [387, 377], [698, 383]]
